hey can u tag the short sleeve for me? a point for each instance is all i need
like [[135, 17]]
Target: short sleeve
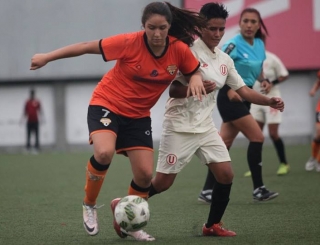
[[234, 80], [181, 78], [230, 48], [280, 69], [189, 64], [114, 47]]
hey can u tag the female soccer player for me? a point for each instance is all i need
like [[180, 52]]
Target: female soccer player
[[188, 128], [248, 53], [119, 110], [314, 160], [276, 72]]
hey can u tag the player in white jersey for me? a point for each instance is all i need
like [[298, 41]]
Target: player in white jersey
[[188, 127], [276, 72]]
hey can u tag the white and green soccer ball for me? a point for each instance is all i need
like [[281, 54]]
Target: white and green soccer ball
[[132, 213]]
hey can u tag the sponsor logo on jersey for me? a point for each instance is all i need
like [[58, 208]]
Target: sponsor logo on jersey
[[172, 69], [223, 69], [154, 73], [245, 55], [105, 121], [204, 65]]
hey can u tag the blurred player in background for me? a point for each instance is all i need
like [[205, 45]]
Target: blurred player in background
[[276, 72], [248, 53], [314, 160], [119, 111], [188, 127], [32, 113]]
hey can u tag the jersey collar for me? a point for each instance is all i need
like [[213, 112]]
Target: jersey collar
[[206, 49], [149, 49]]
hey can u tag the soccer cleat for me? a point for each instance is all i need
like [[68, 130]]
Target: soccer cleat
[[140, 235], [247, 174], [262, 194], [205, 196], [311, 164], [217, 230], [117, 227], [283, 169], [318, 167], [90, 219]]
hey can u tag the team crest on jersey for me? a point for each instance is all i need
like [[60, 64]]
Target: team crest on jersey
[[105, 121], [224, 70], [171, 159], [172, 69]]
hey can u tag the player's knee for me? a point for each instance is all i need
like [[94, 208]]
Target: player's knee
[[274, 136], [228, 177], [225, 176], [103, 157], [144, 178], [257, 138]]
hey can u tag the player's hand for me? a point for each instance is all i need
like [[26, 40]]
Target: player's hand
[[265, 86], [276, 103], [38, 61], [234, 96], [209, 86], [196, 88]]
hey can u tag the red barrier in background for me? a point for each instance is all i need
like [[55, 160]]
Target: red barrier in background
[[293, 25]]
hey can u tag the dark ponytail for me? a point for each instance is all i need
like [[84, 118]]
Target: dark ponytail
[[185, 24]]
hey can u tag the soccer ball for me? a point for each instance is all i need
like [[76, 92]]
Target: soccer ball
[[132, 213]]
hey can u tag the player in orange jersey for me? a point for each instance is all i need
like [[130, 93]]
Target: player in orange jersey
[[119, 111], [314, 160]]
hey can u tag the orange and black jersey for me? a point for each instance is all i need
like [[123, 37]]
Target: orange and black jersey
[[135, 83]]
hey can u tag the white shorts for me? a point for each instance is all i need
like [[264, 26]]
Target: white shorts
[[177, 149], [266, 114]]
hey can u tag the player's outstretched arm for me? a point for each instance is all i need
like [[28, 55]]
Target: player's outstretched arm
[[259, 99], [40, 60]]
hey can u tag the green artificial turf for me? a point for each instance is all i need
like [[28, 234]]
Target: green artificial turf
[[41, 197]]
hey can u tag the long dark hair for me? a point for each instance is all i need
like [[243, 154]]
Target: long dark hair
[[260, 34], [185, 24]]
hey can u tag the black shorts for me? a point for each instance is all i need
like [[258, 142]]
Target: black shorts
[[131, 133], [230, 111], [317, 117]]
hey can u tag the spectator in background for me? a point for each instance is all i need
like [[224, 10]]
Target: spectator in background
[[314, 160], [32, 113], [276, 72]]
